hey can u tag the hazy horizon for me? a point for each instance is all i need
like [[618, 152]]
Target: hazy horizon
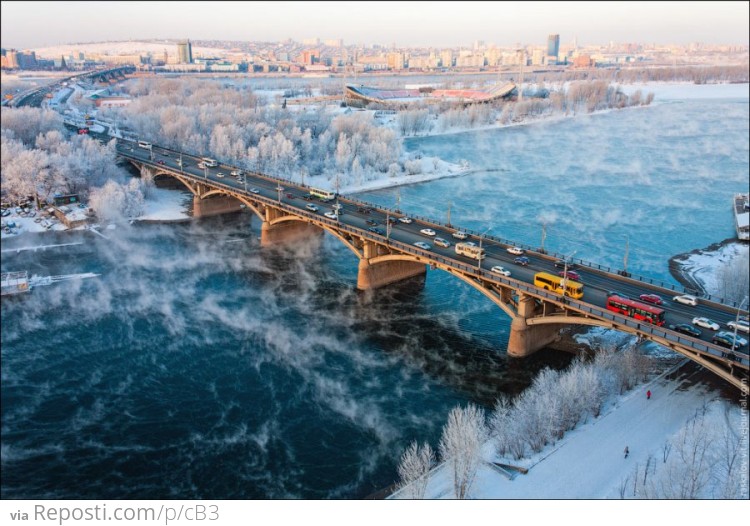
[[29, 25]]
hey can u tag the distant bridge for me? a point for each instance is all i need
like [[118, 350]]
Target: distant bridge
[[389, 254]]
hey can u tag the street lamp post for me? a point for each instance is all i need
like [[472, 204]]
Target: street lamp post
[[625, 259], [565, 273], [737, 323], [388, 225], [279, 188], [479, 256]]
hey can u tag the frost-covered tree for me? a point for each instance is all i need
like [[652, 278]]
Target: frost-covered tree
[[116, 202], [414, 470], [460, 446]]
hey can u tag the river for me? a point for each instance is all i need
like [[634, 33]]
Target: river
[[198, 365]]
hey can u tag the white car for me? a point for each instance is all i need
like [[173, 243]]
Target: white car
[[706, 323], [254, 191], [405, 220], [686, 299], [516, 251], [497, 269], [460, 235], [220, 175], [423, 245], [439, 241], [427, 232], [741, 325], [331, 215], [236, 173], [311, 207]]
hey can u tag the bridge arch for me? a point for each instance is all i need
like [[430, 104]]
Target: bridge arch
[[469, 280]]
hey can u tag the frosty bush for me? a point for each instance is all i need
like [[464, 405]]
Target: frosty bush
[[114, 202]]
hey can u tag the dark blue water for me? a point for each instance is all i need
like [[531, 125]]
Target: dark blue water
[[199, 365]]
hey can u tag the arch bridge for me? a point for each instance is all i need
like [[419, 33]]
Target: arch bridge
[[384, 258]]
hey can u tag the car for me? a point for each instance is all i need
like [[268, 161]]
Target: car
[[311, 207], [279, 188], [654, 299], [427, 232], [572, 274], [391, 220], [521, 260], [460, 235], [740, 325], [686, 299], [338, 206], [254, 191], [371, 222], [685, 328], [497, 269], [308, 197], [515, 251], [236, 173], [405, 220], [706, 323], [560, 263], [376, 230], [160, 162], [423, 245], [220, 175], [331, 215], [726, 339], [289, 196], [741, 342], [201, 166], [364, 209], [439, 241]]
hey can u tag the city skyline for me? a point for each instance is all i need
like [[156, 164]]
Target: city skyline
[[27, 25]]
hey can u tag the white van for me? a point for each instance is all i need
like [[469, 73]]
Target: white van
[[144, 144]]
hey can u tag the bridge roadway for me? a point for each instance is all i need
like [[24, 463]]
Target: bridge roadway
[[260, 192]]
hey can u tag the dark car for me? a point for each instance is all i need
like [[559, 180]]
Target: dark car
[[376, 230], [725, 340], [521, 260], [159, 162], [572, 274], [363, 209], [371, 222], [289, 196], [654, 299], [685, 328], [308, 197], [560, 263], [392, 220]]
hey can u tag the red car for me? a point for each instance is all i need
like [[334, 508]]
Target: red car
[[572, 274], [654, 299]]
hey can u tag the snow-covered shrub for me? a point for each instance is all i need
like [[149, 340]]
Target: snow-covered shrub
[[113, 201]]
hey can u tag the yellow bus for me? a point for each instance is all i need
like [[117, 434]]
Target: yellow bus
[[554, 283]]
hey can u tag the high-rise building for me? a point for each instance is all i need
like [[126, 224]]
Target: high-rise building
[[184, 52], [553, 48]]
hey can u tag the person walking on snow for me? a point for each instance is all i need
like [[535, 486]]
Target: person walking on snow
[[627, 451], [648, 395]]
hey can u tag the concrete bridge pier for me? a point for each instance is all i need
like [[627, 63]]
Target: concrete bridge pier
[[284, 231], [527, 339], [381, 273], [215, 205]]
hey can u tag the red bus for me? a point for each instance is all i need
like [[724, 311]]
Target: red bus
[[636, 309]]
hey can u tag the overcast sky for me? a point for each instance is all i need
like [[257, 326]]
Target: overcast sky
[[28, 25]]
